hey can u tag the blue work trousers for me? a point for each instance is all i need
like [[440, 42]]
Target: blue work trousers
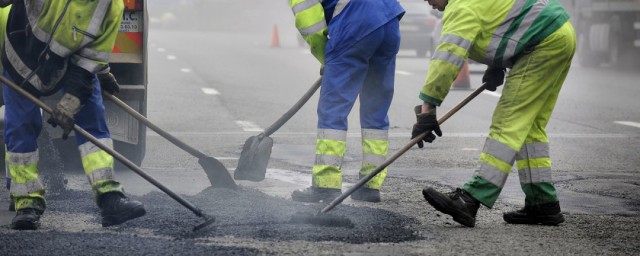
[[366, 69], [23, 119]]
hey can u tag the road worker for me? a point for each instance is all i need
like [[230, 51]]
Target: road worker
[[356, 41], [535, 41], [61, 47]]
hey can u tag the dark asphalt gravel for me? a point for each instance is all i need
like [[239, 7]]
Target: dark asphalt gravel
[[243, 213]]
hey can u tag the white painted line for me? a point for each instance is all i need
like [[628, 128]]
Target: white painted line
[[249, 126], [185, 70], [495, 94], [210, 91], [634, 124], [405, 73], [305, 52], [470, 149], [298, 178], [160, 49], [171, 57]]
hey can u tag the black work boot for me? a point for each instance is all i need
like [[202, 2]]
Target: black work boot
[[116, 208], [459, 204], [545, 214], [314, 195], [366, 194], [26, 219]]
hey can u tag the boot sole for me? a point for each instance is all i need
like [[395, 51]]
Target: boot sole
[[25, 225], [111, 220], [442, 204], [549, 220]]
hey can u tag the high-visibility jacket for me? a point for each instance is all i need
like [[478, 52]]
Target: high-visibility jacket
[[495, 33], [60, 36], [345, 20], [4, 14]]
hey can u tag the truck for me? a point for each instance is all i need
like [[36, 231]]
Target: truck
[[608, 31], [128, 64]]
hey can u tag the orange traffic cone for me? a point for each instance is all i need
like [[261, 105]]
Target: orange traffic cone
[[275, 39], [462, 82]]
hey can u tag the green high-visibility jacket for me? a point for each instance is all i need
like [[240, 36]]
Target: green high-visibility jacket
[[490, 32]]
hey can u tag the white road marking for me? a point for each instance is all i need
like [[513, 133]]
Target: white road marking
[[495, 94], [160, 49], [633, 124], [298, 178], [405, 73], [185, 70], [210, 91], [171, 57], [470, 149], [249, 126]]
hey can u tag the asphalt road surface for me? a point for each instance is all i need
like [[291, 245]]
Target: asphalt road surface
[[214, 86]]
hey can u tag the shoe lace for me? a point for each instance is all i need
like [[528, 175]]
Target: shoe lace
[[454, 195]]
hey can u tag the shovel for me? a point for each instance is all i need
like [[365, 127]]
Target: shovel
[[403, 150], [208, 219], [256, 151], [216, 172]]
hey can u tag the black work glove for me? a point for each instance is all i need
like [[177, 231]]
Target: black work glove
[[322, 70], [63, 114], [426, 122], [108, 82], [493, 77]]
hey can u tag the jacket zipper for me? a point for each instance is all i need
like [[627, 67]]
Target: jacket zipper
[[76, 30]]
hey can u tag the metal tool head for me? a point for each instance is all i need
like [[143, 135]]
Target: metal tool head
[[216, 172], [254, 158], [208, 220]]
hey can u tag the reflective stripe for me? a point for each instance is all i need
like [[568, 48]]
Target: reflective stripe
[[492, 49], [88, 147], [98, 16], [23, 159], [492, 174], [27, 188], [457, 40], [535, 175], [21, 68], [328, 160], [55, 46], [87, 64], [94, 55], [100, 175], [526, 23], [448, 57], [373, 159], [301, 6], [310, 30], [331, 134], [339, 7], [499, 151], [533, 150], [375, 134], [34, 8]]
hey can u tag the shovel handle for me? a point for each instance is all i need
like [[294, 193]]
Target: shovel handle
[[404, 149], [153, 127], [109, 150], [292, 111]]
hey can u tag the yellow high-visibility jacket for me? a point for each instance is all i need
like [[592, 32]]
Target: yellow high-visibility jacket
[[490, 32], [84, 33]]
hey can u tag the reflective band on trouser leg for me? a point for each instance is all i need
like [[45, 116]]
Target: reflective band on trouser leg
[[496, 161], [534, 169], [374, 152], [27, 189], [331, 146], [98, 166]]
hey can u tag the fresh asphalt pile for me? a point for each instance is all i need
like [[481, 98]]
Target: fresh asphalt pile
[[249, 213], [242, 213]]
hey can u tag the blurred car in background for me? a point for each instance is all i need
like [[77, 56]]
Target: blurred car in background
[[417, 27]]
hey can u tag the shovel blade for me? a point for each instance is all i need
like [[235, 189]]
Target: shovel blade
[[254, 159], [216, 172]]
